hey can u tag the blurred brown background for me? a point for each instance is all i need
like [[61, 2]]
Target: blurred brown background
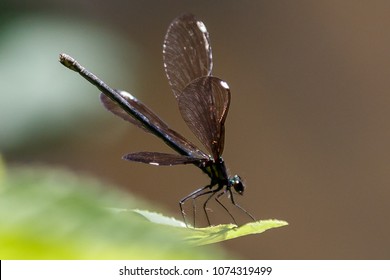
[[307, 128]]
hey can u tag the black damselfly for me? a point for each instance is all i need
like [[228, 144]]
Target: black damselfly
[[203, 103]]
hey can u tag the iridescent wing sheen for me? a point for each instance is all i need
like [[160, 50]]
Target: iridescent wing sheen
[[187, 52], [204, 104]]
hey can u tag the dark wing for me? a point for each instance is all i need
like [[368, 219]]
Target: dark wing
[[187, 52], [155, 158], [114, 108], [153, 120], [204, 104]]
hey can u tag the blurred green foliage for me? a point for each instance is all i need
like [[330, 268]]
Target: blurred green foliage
[[51, 214]]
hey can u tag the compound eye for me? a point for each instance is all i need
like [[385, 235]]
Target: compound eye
[[237, 184]]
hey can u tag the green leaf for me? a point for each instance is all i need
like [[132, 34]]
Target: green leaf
[[212, 234], [52, 214], [159, 218]]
